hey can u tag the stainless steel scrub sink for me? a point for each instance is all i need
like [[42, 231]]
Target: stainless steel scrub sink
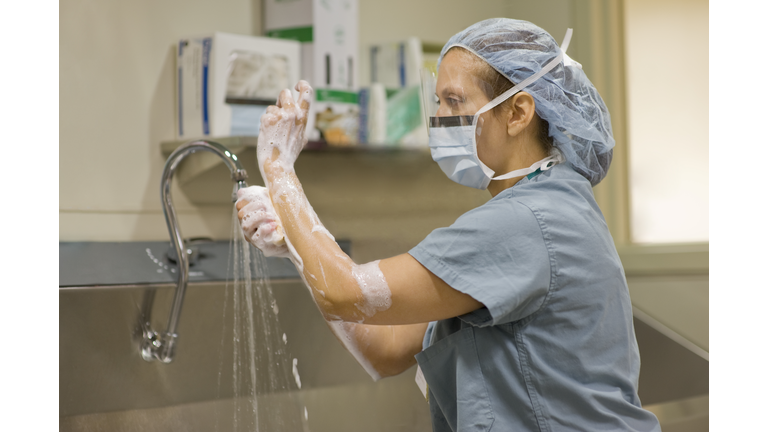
[[104, 384]]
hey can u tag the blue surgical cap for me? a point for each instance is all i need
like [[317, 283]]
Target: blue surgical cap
[[579, 123]]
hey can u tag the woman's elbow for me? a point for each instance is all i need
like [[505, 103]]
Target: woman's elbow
[[339, 305], [394, 367]]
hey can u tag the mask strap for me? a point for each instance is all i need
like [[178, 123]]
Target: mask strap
[[526, 82], [543, 165]]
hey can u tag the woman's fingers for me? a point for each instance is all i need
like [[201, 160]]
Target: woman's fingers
[[285, 100], [252, 194], [246, 213], [254, 221], [259, 221], [252, 207], [240, 201], [305, 96]]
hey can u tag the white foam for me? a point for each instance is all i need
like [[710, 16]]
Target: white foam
[[345, 332], [325, 282], [281, 130], [320, 228], [295, 258], [263, 222], [376, 294]]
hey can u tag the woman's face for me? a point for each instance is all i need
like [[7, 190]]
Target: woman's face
[[460, 92]]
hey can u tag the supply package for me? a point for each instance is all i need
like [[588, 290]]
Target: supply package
[[225, 82], [392, 113], [328, 33]]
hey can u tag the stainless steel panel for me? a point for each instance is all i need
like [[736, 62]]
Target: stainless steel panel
[[105, 385]]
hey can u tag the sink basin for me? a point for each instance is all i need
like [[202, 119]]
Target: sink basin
[[104, 384]]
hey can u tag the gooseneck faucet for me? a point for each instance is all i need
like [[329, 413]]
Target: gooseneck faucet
[[162, 346]]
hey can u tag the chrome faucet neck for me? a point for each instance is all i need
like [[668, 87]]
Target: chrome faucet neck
[[161, 346]]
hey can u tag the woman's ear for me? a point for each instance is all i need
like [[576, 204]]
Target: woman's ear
[[520, 114]]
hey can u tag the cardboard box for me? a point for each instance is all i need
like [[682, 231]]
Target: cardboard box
[[395, 66], [226, 81], [328, 33]]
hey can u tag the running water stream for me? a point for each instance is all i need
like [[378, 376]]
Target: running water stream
[[265, 378]]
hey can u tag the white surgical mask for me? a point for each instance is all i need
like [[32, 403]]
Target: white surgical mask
[[455, 151], [453, 140]]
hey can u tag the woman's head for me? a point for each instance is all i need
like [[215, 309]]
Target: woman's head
[[493, 84], [503, 52], [512, 135]]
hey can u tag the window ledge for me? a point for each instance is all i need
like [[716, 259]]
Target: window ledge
[[665, 259]]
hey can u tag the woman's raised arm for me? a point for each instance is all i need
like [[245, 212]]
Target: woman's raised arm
[[397, 290]]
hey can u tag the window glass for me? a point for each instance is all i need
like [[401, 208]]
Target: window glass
[[667, 55]]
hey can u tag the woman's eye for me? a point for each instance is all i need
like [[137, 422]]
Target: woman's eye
[[453, 103]]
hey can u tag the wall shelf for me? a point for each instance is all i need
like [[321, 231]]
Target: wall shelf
[[243, 142], [205, 180]]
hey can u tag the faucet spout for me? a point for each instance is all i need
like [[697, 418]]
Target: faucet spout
[[162, 346], [238, 185]]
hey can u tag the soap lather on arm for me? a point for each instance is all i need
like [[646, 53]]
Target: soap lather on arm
[[398, 296]]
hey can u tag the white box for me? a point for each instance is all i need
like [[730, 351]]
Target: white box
[[328, 31], [226, 81], [397, 64]]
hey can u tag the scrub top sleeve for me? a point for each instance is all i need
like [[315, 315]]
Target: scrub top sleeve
[[495, 253]]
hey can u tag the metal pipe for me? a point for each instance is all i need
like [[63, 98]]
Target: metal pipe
[[162, 346]]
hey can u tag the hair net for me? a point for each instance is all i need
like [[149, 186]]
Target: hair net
[[579, 122]]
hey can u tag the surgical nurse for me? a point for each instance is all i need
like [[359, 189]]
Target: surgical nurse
[[518, 314]]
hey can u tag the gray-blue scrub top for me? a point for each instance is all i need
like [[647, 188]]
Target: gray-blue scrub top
[[554, 348]]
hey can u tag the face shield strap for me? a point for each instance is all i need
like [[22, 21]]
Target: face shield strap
[[528, 81], [509, 93]]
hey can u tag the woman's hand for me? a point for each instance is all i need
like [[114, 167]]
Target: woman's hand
[[281, 134], [260, 223]]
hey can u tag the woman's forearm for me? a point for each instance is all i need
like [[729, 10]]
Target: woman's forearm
[[337, 284], [343, 290], [383, 351]]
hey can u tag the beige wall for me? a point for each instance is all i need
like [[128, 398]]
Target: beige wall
[[117, 105]]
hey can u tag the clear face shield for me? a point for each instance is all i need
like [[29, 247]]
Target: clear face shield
[[455, 104], [454, 99]]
